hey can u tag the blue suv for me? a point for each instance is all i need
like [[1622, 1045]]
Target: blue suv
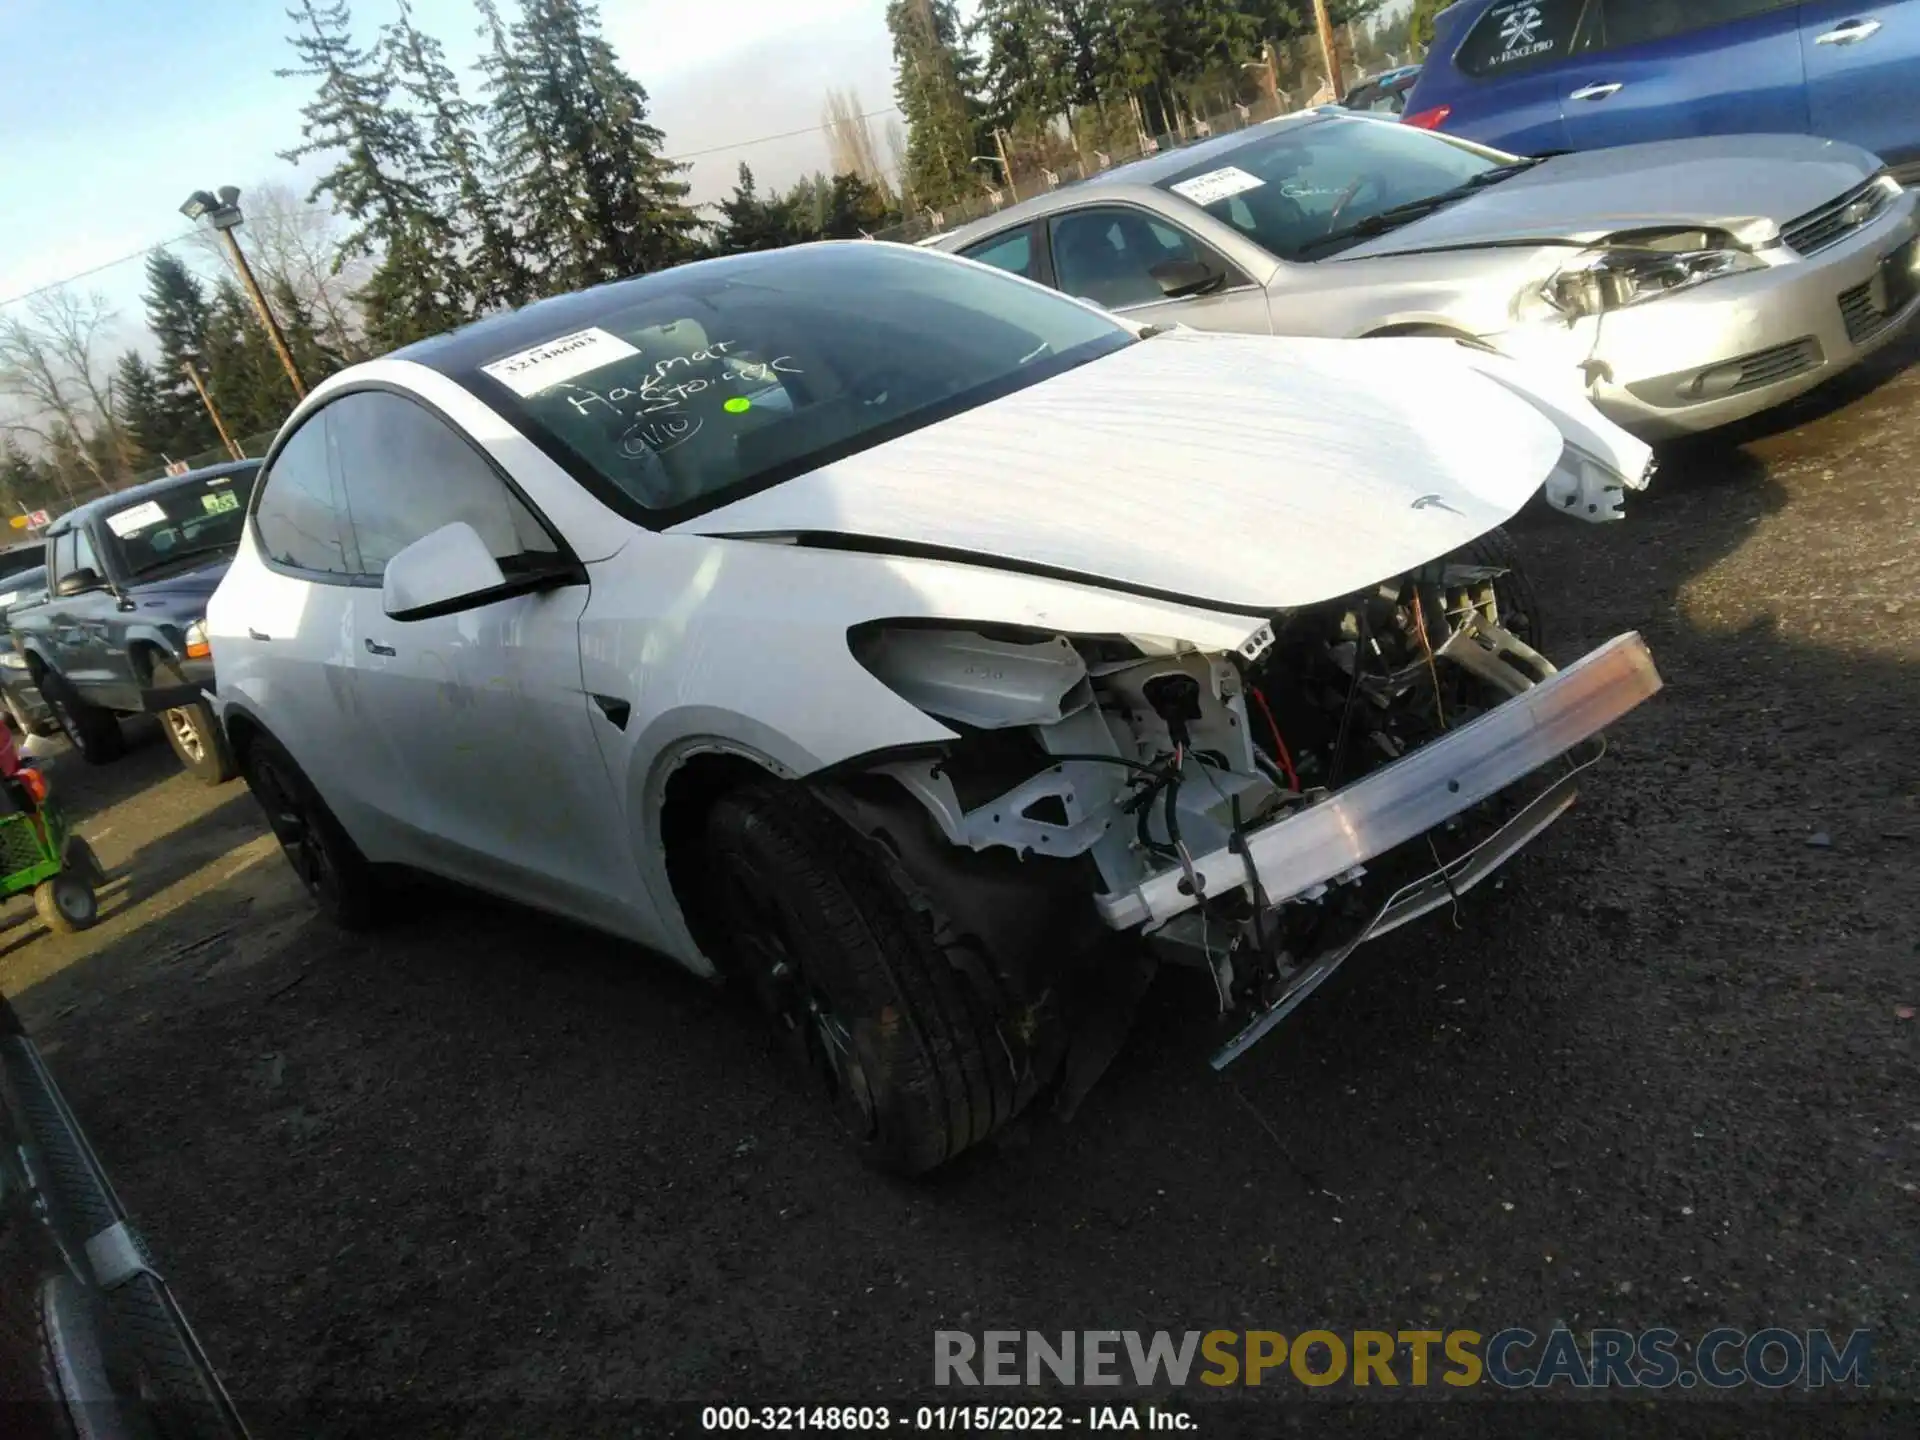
[[1538, 75]]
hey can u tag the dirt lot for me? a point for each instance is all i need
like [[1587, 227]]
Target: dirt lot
[[1667, 1075]]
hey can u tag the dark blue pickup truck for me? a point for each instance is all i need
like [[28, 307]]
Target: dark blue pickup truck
[[120, 631]]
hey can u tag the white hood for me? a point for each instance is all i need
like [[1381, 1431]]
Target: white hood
[[1248, 472]]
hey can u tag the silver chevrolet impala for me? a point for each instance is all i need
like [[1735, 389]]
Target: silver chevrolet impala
[[1685, 284]]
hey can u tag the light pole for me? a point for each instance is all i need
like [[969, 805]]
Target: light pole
[[222, 211]]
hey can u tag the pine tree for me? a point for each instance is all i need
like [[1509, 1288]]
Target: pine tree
[[143, 410], [24, 481], [855, 208], [312, 356], [177, 314], [748, 222], [353, 115], [453, 169], [585, 181], [244, 374], [935, 90], [1025, 74]]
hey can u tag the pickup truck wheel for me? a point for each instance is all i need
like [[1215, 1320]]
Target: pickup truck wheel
[[323, 856], [853, 977], [194, 734], [92, 731]]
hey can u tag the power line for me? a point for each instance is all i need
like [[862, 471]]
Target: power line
[[104, 265], [688, 155]]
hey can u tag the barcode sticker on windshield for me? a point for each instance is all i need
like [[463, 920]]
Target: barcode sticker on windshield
[[136, 518], [530, 371], [1217, 185]]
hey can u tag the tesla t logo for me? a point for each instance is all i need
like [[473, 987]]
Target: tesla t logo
[[1434, 502], [1521, 27]]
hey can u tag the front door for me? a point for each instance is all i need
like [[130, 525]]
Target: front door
[[1108, 254], [1665, 69], [1863, 75], [483, 729]]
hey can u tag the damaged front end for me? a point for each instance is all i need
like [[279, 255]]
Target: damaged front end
[[1260, 813]]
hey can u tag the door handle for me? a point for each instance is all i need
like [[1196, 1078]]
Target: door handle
[[1849, 32], [1596, 92], [253, 634], [374, 647]]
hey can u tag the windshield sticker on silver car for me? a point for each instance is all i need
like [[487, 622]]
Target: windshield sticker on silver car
[[136, 518], [1217, 185], [528, 372]]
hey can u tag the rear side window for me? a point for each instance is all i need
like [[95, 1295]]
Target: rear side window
[[1618, 23], [1517, 35], [298, 517], [405, 474], [1011, 253]]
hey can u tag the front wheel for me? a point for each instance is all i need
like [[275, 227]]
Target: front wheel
[[66, 903], [857, 981], [194, 734], [91, 730], [323, 856]]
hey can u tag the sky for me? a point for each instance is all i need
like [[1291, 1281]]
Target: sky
[[113, 111]]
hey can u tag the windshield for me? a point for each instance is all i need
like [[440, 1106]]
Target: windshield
[[1290, 190], [747, 373], [192, 520]]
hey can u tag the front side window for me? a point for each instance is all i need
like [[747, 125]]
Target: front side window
[[298, 518], [1292, 189], [703, 384], [179, 526], [1517, 35], [1012, 253], [405, 474], [1614, 24], [63, 554], [83, 556], [1108, 255]]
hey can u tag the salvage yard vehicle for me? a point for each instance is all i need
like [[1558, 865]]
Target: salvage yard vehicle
[[92, 1341], [1542, 75], [26, 708], [1686, 284], [123, 629], [904, 641]]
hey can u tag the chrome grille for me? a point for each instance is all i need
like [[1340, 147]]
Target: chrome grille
[[1832, 223]]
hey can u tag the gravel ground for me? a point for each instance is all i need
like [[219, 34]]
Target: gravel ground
[[1665, 1076]]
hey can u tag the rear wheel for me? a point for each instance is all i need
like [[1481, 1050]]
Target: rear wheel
[[194, 734], [92, 731], [847, 965], [323, 856]]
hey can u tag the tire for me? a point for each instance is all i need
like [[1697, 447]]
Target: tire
[[194, 734], [323, 856], [92, 731], [845, 960], [1519, 602], [66, 904]]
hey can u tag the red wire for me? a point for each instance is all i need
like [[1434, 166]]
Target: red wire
[[1279, 745]]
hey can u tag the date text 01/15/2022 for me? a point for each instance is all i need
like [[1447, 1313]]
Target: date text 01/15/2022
[[951, 1419]]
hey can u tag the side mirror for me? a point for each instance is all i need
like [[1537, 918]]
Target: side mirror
[[79, 582], [1177, 278], [438, 574]]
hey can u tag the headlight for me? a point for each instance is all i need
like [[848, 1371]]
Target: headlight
[[198, 646], [13, 659], [1613, 279]]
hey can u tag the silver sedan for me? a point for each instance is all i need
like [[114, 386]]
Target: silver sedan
[[1685, 284]]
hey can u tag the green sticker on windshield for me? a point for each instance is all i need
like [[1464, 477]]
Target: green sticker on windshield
[[218, 502], [738, 405]]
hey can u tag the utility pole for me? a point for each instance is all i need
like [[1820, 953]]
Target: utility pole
[[207, 400], [1000, 145], [1323, 21], [222, 211], [266, 315]]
